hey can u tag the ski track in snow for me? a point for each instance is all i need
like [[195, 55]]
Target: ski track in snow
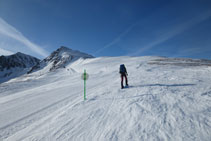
[[162, 103]]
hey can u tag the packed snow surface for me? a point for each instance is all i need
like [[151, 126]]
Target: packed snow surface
[[163, 102]]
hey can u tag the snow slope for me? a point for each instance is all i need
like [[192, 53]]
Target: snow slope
[[164, 102]]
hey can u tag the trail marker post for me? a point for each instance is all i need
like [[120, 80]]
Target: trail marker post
[[84, 77]]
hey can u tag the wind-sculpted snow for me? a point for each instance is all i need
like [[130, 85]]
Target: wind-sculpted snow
[[163, 102]]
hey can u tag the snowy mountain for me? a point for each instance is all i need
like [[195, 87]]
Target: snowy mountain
[[165, 101], [15, 65], [59, 59]]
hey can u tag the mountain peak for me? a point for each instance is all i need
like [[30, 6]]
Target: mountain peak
[[63, 48], [60, 58], [64, 53], [15, 65], [19, 53], [75, 53]]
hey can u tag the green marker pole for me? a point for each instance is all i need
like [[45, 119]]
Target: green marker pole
[[84, 84]]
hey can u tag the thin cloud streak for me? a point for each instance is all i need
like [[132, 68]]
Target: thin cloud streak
[[172, 33], [10, 31], [5, 52], [117, 39]]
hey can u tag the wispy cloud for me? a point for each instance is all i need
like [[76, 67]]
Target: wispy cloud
[[10, 31], [195, 50], [166, 34], [117, 39], [5, 52], [176, 30]]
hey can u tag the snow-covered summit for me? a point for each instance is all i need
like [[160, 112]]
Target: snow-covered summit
[[64, 53], [59, 59]]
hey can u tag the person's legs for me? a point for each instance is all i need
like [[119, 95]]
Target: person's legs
[[126, 80], [122, 81]]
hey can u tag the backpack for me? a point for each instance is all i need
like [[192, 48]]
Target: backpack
[[122, 68]]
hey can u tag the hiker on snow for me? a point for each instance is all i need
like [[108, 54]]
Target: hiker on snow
[[123, 72]]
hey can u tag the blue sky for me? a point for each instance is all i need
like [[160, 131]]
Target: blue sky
[[173, 28]]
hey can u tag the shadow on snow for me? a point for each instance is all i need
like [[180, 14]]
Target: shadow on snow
[[163, 85]]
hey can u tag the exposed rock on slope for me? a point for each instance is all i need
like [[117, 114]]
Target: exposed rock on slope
[[15, 65], [59, 59]]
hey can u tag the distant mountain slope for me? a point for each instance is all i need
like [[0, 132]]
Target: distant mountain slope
[[59, 59], [181, 62], [15, 65]]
